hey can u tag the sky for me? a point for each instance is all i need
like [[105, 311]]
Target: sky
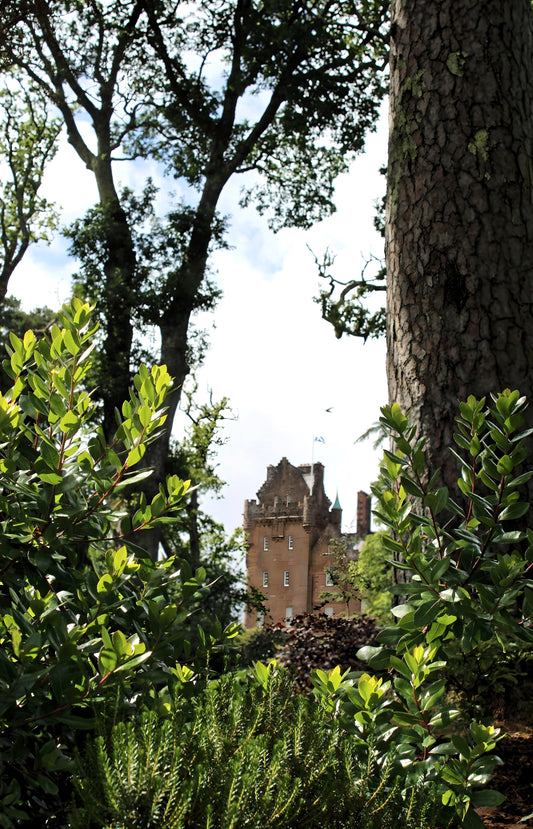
[[287, 377]]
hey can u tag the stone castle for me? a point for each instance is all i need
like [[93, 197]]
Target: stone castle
[[289, 529]]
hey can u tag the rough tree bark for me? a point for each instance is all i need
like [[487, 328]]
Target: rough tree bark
[[459, 242]]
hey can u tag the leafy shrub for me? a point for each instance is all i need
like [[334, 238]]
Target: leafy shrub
[[470, 575], [247, 752], [260, 644], [406, 726], [381, 753], [87, 620], [372, 573], [323, 642], [470, 594]]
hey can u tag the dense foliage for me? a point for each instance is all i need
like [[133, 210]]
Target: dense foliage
[[313, 642], [372, 573], [278, 94], [28, 142], [470, 564], [248, 752], [87, 620], [469, 596], [95, 634]]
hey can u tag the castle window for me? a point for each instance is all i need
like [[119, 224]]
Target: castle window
[[276, 500], [329, 577], [265, 542], [265, 578], [286, 578], [288, 612], [291, 542]]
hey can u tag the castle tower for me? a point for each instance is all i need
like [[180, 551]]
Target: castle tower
[[289, 529]]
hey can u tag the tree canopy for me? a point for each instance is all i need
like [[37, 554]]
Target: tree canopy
[[281, 92], [28, 141]]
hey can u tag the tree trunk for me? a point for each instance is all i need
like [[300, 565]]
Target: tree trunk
[[174, 327], [459, 243], [119, 271]]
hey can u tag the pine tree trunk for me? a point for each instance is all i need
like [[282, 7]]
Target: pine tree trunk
[[459, 244]]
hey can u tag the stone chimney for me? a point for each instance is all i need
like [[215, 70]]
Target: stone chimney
[[363, 514]]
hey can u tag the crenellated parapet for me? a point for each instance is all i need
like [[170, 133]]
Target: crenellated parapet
[[290, 493]]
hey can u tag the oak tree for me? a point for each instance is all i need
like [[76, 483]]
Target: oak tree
[[28, 142], [279, 91]]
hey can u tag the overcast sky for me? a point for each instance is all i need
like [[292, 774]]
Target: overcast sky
[[271, 353]]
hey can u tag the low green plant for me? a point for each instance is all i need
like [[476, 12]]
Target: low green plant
[[260, 644], [469, 590], [246, 752], [88, 623], [471, 573], [404, 725]]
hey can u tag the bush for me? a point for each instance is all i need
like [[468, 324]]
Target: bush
[[469, 595], [372, 573], [87, 621], [320, 641], [247, 752], [470, 586], [372, 753], [260, 644]]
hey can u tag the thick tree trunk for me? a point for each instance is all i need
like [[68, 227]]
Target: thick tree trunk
[[459, 242]]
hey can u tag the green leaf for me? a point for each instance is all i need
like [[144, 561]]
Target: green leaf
[[144, 414], [462, 441], [104, 584], [411, 487], [511, 537], [400, 666], [505, 465], [46, 474], [401, 610], [475, 446], [107, 661], [135, 455], [68, 422], [514, 511], [120, 558], [520, 480], [487, 797], [405, 718], [446, 619], [168, 615], [370, 652], [71, 343], [133, 662], [120, 644]]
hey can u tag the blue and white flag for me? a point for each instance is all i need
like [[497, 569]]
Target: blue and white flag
[[319, 439]]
